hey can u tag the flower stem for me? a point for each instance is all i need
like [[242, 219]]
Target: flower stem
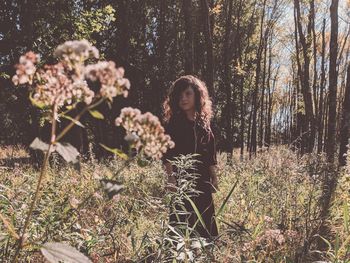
[[53, 140], [41, 176], [77, 118]]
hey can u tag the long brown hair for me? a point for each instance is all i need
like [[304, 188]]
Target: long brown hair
[[203, 103]]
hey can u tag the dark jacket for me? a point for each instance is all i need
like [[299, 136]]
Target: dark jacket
[[190, 137]]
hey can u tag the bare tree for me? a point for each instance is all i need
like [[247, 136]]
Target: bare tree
[[189, 54], [304, 74], [207, 21], [333, 80], [345, 124]]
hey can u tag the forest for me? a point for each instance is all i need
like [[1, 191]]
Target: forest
[[74, 188]]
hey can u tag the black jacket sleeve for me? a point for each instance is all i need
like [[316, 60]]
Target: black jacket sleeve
[[212, 150], [171, 153]]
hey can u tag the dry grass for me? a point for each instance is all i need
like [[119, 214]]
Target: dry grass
[[269, 215]]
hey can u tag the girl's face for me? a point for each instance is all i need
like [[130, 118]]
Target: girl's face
[[187, 99]]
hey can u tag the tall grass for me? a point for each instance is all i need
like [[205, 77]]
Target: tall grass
[[267, 210]]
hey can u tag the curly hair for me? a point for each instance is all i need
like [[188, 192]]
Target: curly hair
[[203, 102]]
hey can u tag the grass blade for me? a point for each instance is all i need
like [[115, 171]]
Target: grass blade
[[226, 199]]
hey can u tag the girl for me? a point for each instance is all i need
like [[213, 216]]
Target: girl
[[187, 114]]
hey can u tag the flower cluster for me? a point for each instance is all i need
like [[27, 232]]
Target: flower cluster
[[74, 53], [58, 88], [268, 220], [145, 132], [65, 82], [26, 68], [129, 119], [272, 237], [271, 241], [110, 78]]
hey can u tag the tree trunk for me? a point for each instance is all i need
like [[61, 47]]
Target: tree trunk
[[189, 54], [299, 123], [270, 98], [345, 124], [305, 80], [227, 80], [330, 181], [333, 79], [320, 126], [261, 127], [209, 46], [314, 51], [253, 142], [242, 114]]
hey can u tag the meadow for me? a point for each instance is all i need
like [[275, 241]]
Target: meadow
[[267, 210]]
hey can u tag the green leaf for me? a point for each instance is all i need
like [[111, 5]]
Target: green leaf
[[38, 144], [346, 216], [200, 218], [226, 199], [115, 151], [258, 228], [67, 151], [73, 120], [96, 114], [109, 104], [325, 240], [142, 162], [69, 107], [4, 75], [36, 103], [60, 252]]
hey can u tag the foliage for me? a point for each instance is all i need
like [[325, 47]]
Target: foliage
[[265, 219], [94, 21], [59, 88]]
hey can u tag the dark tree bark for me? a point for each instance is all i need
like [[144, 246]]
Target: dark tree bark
[[320, 122], [314, 52], [253, 140], [189, 53], [242, 114], [299, 123], [333, 80], [345, 124], [207, 21], [262, 96], [161, 61], [330, 180], [305, 79], [269, 99], [228, 108]]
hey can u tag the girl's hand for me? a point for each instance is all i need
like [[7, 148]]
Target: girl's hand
[[215, 184], [213, 179], [171, 184]]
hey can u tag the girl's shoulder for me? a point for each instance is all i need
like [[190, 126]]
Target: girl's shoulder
[[179, 122], [172, 125], [175, 120]]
